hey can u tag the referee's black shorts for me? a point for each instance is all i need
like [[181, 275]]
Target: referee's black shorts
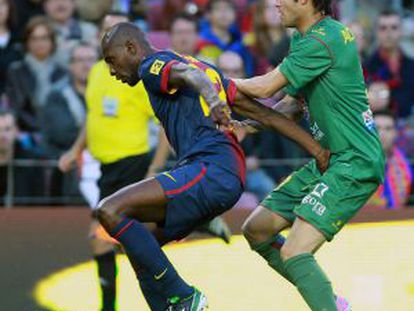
[[121, 173]]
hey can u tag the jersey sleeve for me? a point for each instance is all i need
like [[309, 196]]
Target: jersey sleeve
[[155, 71], [308, 59]]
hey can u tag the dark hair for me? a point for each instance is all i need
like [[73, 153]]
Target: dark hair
[[11, 19], [389, 12], [184, 16], [35, 22], [385, 113], [211, 3], [324, 6]]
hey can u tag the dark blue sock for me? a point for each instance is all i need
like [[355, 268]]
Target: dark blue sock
[[155, 300], [144, 252]]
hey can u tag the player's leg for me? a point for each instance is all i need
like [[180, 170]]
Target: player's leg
[[123, 214], [302, 268], [328, 206], [262, 230]]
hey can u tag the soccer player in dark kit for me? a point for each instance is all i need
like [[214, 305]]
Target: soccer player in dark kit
[[188, 97]]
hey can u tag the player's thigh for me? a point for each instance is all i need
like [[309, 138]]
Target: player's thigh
[[303, 238], [263, 224], [144, 201], [336, 198]]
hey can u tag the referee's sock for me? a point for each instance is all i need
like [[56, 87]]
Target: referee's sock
[[144, 252], [270, 251], [107, 279]]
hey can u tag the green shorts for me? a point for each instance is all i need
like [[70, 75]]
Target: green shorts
[[326, 201]]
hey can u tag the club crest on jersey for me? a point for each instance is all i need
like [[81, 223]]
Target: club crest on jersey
[[368, 118], [156, 67]]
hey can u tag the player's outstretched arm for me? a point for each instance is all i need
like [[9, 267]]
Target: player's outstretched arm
[[275, 120], [264, 86], [182, 74], [288, 106]]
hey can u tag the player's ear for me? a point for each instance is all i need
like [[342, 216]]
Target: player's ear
[[130, 47]]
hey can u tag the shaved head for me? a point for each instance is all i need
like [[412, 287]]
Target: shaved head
[[122, 33], [124, 46]]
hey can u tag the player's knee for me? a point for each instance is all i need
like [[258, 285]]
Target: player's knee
[[252, 231], [289, 251], [107, 211]]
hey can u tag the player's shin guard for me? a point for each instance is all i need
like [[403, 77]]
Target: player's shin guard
[[311, 281], [107, 279], [144, 251], [270, 251]]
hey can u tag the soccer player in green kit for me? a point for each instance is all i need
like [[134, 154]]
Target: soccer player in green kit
[[324, 70]]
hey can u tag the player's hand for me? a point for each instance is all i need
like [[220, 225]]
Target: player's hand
[[322, 160], [67, 161], [249, 126], [221, 113]]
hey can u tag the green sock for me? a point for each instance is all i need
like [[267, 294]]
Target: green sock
[[311, 281], [270, 251]]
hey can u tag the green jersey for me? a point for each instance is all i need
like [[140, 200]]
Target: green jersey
[[323, 67]]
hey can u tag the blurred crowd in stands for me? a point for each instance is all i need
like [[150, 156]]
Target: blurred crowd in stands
[[47, 48]]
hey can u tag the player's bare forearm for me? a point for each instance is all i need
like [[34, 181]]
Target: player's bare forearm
[[264, 86], [183, 74], [288, 106], [275, 120]]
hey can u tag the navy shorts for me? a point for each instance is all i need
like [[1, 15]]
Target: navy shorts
[[197, 192]]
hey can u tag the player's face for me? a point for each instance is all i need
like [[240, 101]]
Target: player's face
[[387, 132], [122, 64], [288, 10]]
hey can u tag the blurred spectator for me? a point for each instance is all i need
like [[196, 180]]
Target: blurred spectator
[[29, 80], [10, 50], [184, 34], [69, 30], [219, 33], [389, 63], [93, 10], [361, 39], [379, 96], [257, 181], [28, 181], [395, 191], [64, 115], [25, 10], [163, 13], [270, 41]]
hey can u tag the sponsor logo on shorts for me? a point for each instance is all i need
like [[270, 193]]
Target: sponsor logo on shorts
[[317, 207], [313, 199]]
